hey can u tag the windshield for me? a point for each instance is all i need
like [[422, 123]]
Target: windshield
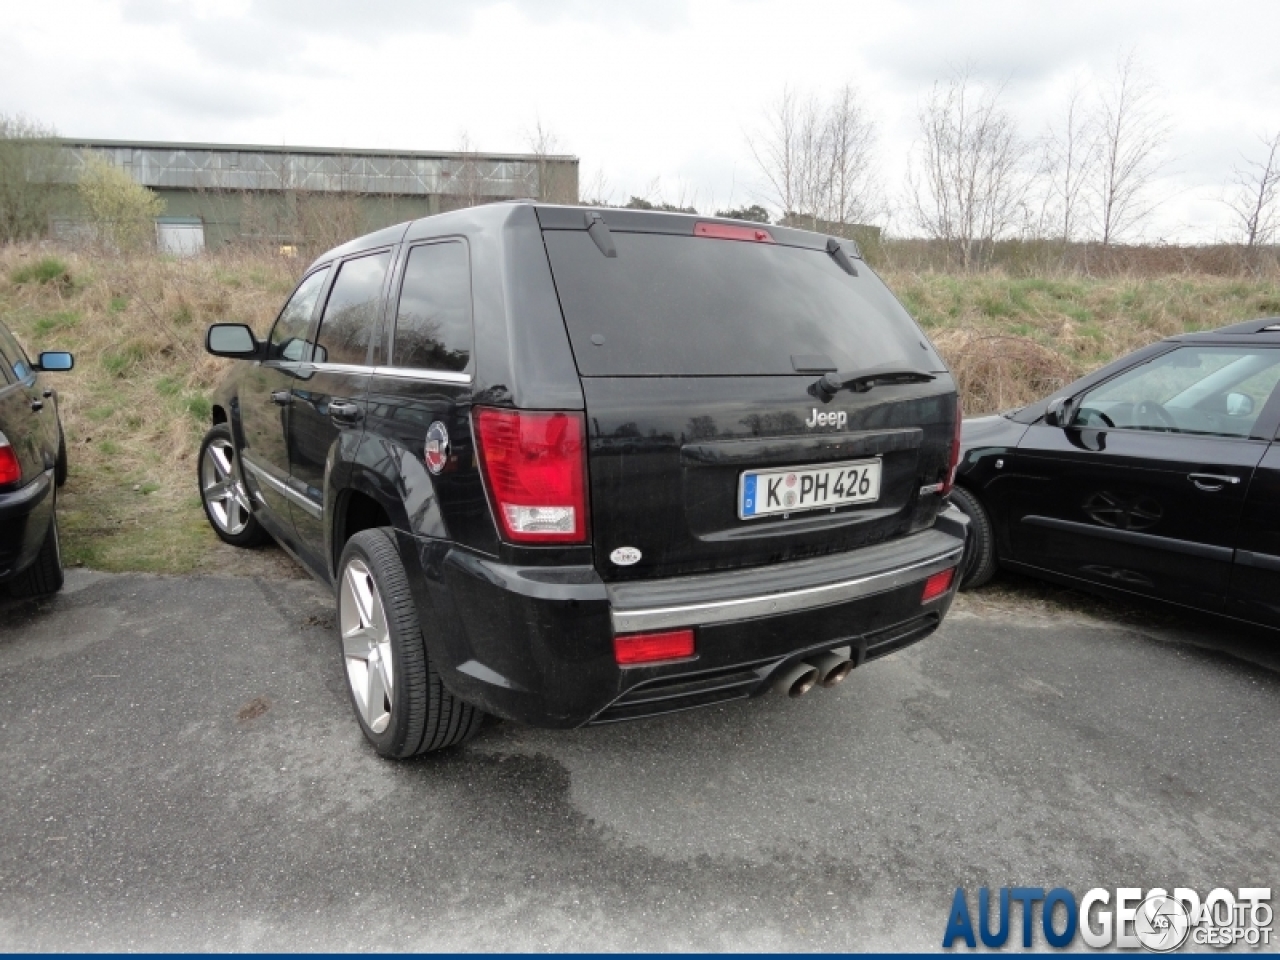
[[693, 306]]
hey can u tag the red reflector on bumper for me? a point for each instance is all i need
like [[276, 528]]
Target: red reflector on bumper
[[636, 648], [937, 585]]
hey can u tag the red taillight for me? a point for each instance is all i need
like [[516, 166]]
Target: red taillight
[[950, 480], [535, 466], [634, 648], [727, 231], [937, 585], [10, 469]]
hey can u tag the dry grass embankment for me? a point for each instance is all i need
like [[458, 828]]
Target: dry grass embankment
[[138, 401], [136, 405]]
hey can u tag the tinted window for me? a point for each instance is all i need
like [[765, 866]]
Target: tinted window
[[433, 320], [14, 355], [351, 315], [1219, 391], [692, 305], [288, 336]]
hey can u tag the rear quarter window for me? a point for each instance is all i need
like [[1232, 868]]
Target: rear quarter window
[[694, 306], [433, 316]]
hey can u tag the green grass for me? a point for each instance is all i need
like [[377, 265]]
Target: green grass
[[46, 270], [54, 322]]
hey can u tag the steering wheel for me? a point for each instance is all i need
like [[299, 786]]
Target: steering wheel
[[1144, 412], [1085, 414]]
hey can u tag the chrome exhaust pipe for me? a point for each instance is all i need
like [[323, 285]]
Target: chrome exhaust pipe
[[796, 680], [834, 666]]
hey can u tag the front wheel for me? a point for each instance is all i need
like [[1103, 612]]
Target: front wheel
[[396, 692], [226, 501], [980, 558]]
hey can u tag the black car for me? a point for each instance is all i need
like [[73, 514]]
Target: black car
[[1156, 476], [573, 466], [33, 464]]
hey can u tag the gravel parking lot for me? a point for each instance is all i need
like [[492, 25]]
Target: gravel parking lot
[[181, 771]]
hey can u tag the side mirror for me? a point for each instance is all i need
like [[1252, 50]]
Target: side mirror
[[1055, 415], [234, 340], [1238, 404], [55, 360]]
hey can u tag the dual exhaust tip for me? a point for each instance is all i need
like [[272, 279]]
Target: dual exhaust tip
[[827, 670]]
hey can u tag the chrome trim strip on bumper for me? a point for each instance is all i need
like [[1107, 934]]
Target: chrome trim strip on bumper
[[282, 488], [791, 601]]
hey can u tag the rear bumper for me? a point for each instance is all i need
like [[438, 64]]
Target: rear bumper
[[25, 514], [535, 644]]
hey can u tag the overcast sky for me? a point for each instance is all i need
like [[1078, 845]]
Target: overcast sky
[[659, 91]]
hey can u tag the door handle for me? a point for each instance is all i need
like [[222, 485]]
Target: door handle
[[281, 398], [1211, 482], [344, 411], [37, 405]]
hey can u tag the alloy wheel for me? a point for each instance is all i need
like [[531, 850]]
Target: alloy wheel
[[223, 493], [366, 645]]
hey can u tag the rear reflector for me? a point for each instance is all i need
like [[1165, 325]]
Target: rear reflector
[[634, 648], [937, 585], [10, 469], [726, 231], [535, 468]]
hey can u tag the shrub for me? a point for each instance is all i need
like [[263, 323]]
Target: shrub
[[122, 211], [45, 270]]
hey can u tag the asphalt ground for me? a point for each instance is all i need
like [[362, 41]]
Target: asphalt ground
[[179, 770]]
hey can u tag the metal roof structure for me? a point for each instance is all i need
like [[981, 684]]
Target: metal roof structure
[[256, 167]]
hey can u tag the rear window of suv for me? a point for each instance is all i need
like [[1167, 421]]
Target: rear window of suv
[[693, 306]]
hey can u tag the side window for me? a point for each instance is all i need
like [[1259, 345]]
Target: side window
[[433, 319], [288, 336], [1214, 391], [351, 315], [14, 358]]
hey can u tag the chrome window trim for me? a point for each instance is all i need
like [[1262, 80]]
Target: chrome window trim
[[286, 491], [310, 366], [433, 376], [722, 611]]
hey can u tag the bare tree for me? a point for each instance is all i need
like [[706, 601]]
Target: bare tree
[[597, 191], [817, 160], [29, 162], [1132, 132], [554, 180], [1071, 148], [1253, 193], [852, 191], [968, 183], [468, 179]]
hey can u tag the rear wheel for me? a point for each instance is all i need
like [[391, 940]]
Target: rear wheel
[[399, 700], [226, 501], [44, 576], [980, 558]]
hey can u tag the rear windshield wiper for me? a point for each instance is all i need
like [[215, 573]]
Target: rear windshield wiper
[[832, 383]]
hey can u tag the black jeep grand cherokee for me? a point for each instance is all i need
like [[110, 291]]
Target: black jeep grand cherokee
[[570, 466]]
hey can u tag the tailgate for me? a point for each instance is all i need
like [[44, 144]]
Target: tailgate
[[668, 458]]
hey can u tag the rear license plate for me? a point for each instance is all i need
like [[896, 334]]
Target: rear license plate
[[762, 493]]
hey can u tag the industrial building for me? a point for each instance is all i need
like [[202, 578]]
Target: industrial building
[[307, 197]]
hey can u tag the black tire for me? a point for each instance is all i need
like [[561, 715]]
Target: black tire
[[424, 716], [980, 557], [60, 465], [44, 576], [252, 534]]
